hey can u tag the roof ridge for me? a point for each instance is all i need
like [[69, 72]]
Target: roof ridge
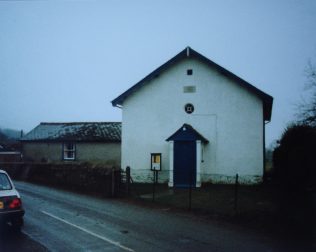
[[59, 123], [86, 131], [188, 52]]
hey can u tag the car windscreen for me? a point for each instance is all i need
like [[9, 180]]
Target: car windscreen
[[4, 182]]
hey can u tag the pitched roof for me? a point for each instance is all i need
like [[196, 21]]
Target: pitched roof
[[186, 133], [75, 131], [190, 53]]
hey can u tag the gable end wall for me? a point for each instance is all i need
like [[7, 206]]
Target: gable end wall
[[229, 116]]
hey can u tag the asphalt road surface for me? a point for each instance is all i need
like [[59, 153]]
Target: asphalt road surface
[[57, 220], [11, 241]]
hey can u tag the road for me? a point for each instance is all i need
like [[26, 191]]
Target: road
[[57, 220], [11, 241]]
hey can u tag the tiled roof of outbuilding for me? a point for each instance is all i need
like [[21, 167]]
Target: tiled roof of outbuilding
[[75, 131]]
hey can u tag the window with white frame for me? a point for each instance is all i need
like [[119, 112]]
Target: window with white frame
[[69, 151]]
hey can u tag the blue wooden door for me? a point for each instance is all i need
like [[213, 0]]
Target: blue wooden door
[[184, 170]]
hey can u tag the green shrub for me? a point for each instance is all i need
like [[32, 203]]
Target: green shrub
[[294, 160]]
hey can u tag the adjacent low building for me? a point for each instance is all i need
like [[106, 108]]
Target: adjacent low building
[[93, 142], [9, 154]]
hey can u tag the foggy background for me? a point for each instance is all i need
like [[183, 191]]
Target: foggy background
[[64, 61]]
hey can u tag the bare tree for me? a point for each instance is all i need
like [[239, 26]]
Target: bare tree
[[307, 108]]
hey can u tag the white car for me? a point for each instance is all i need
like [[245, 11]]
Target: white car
[[11, 209]]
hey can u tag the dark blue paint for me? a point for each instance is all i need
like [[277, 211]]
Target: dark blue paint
[[184, 173], [187, 133]]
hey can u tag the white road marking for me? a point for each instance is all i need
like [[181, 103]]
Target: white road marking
[[89, 232]]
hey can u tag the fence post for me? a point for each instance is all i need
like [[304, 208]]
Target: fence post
[[236, 194], [154, 185], [190, 189], [128, 179], [113, 182]]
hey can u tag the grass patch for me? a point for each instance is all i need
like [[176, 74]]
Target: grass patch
[[220, 199], [256, 205]]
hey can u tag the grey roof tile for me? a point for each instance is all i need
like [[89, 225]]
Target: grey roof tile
[[76, 131]]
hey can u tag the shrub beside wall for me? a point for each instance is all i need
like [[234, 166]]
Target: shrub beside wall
[[294, 162]]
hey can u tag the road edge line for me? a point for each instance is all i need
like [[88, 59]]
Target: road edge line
[[89, 232]]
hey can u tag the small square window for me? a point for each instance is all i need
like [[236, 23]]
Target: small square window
[[69, 151], [189, 72]]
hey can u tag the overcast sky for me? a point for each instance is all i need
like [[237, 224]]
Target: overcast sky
[[64, 61]]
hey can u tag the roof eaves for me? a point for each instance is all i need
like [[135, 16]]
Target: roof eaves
[[188, 127], [62, 140], [267, 99], [154, 74], [189, 52]]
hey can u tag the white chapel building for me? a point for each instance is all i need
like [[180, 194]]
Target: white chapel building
[[195, 122]]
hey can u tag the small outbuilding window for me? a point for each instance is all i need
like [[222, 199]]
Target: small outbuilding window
[[69, 151]]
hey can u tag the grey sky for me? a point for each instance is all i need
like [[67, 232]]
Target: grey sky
[[63, 61]]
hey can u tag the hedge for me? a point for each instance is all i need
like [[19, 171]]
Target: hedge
[[78, 177]]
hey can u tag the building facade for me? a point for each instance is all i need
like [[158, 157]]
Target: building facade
[[206, 123], [95, 143]]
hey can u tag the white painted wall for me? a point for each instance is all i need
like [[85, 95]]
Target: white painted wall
[[228, 115]]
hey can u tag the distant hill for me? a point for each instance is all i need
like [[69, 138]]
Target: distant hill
[[3, 137], [9, 139], [10, 134]]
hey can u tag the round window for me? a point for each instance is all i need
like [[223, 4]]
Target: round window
[[189, 108]]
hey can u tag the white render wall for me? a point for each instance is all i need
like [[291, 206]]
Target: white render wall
[[228, 115]]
